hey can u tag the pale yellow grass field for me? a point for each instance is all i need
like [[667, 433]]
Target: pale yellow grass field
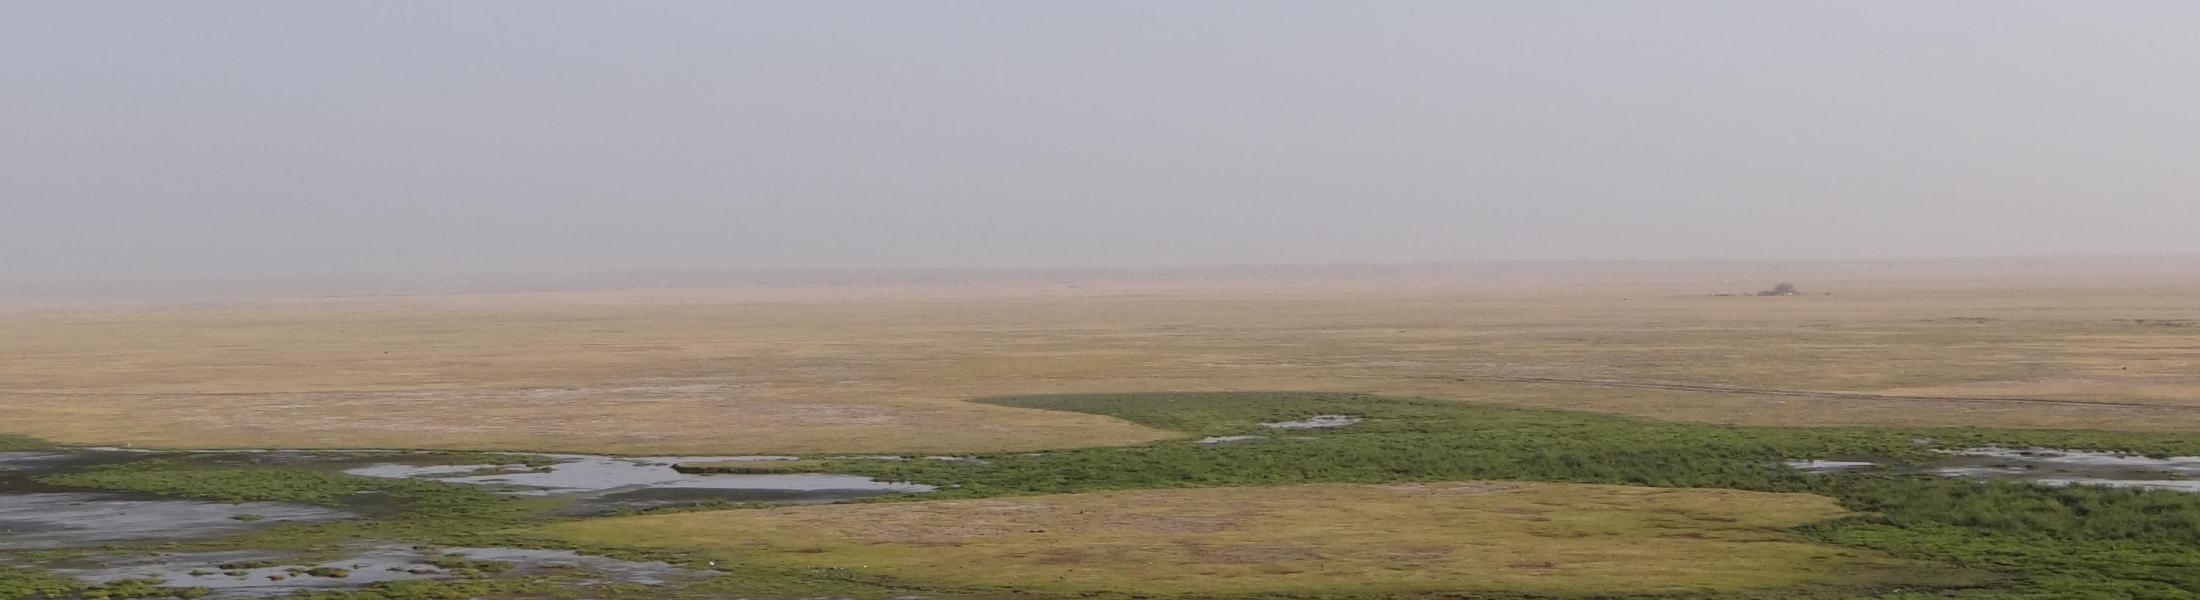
[[841, 371], [1540, 537]]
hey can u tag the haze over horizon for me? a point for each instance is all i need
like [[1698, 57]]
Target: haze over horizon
[[270, 141]]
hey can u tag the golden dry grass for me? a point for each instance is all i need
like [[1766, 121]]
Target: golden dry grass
[[868, 370], [1540, 537]]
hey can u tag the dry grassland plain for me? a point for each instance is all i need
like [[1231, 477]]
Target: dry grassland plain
[[889, 367], [1365, 539]]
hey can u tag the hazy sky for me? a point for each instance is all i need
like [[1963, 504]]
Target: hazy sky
[[143, 140]]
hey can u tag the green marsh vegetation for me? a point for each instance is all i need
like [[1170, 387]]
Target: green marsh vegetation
[[26, 583]]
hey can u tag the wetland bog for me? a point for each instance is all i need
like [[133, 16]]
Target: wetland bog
[[1582, 503]]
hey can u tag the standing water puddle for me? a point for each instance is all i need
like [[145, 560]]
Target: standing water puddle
[[1829, 466], [55, 520], [25, 461], [35, 515], [2074, 467], [627, 571], [249, 574], [1313, 422], [632, 482], [2044, 467], [38, 516]]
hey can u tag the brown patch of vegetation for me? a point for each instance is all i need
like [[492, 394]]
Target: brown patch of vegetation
[[1335, 537]]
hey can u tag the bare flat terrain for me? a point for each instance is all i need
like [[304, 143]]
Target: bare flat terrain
[[887, 367]]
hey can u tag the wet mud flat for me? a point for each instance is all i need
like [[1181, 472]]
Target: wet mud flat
[[104, 537], [2045, 466], [70, 519], [17, 467], [593, 482], [598, 484], [1331, 421], [1315, 422], [2040, 466], [259, 573], [1830, 465], [34, 515], [33, 461], [32, 512]]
